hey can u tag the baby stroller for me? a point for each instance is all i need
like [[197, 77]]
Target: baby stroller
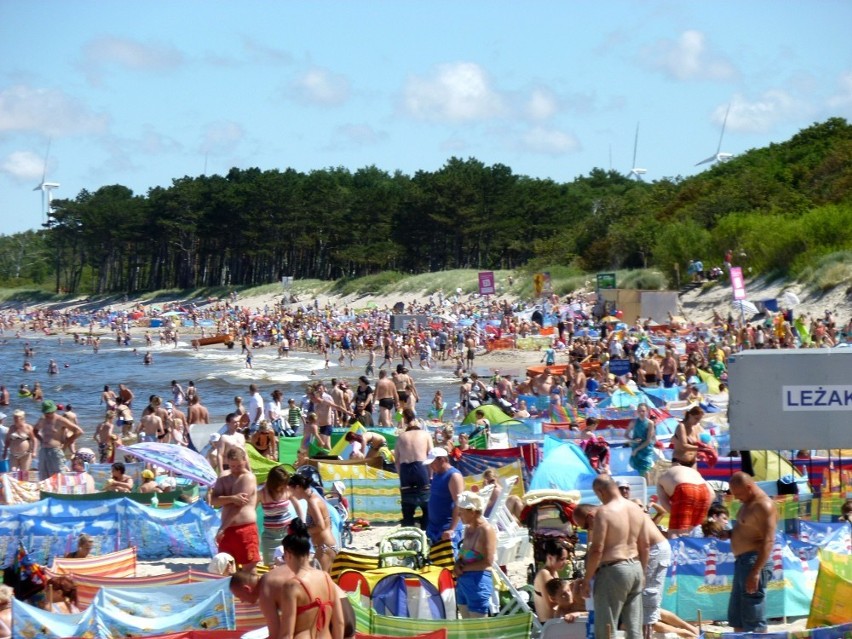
[[407, 547], [548, 514]]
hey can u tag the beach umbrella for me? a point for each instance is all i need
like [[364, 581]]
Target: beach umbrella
[[178, 459], [745, 307], [791, 299], [610, 318], [172, 313]]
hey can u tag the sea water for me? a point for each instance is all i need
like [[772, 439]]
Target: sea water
[[219, 375]]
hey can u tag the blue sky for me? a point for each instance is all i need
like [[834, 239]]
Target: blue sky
[[139, 93]]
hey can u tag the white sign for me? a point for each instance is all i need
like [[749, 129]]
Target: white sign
[[817, 397]]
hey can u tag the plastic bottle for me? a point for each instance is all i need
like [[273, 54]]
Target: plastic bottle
[[154, 501]]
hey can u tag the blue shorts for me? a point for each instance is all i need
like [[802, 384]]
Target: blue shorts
[[748, 611], [474, 590], [326, 430]]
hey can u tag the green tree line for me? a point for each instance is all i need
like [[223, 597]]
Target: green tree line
[[781, 207]]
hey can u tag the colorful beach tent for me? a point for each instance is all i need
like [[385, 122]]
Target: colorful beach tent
[[493, 413], [564, 466], [397, 591]]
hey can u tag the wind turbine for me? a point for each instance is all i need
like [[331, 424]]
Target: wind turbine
[[636, 171], [46, 189], [720, 157]]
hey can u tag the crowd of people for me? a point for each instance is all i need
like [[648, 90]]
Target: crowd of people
[[627, 555]]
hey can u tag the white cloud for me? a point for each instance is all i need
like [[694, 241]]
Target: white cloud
[[357, 135], [843, 98], [761, 114], [548, 141], [541, 104], [455, 92], [321, 87], [49, 112], [220, 138], [100, 53], [24, 166], [689, 58]]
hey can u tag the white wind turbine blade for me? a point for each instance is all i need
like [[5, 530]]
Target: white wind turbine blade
[[722, 135]]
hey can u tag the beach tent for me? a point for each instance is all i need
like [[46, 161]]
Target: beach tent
[[564, 466], [397, 591], [493, 413], [134, 612]]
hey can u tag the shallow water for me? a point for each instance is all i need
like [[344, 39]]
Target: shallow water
[[219, 375]]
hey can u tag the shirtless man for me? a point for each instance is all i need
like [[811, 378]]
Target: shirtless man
[[752, 539], [326, 410], [684, 493], [229, 440], [649, 371], [669, 369], [470, 351], [411, 449], [616, 544], [152, 422], [387, 397], [119, 481], [53, 432], [197, 414], [235, 491], [125, 395]]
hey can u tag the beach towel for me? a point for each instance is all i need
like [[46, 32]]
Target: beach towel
[[116, 564]]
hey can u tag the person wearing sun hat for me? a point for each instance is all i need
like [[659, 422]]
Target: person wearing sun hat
[[443, 518], [54, 432], [472, 570]]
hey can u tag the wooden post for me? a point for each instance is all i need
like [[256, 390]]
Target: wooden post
[[699, 623]]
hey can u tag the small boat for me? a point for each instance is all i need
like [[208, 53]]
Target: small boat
[[216, 339]]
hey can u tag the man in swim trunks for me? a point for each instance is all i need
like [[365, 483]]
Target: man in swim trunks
[[236, 492], [54, 432], [411, 450], [684, 493], [616, 543], [752, 539], [387, 397]]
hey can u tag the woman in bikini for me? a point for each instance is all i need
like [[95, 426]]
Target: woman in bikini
[[278, 511], [687, 436], [472, 570], [297, 601], [317, 520], [20, 444]]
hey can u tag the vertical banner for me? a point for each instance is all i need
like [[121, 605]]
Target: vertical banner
[[547, 285], [737, 283], [538, 283], [486, 283]]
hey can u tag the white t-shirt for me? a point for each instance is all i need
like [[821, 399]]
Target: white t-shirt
[[255, 403], [273, 410]]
